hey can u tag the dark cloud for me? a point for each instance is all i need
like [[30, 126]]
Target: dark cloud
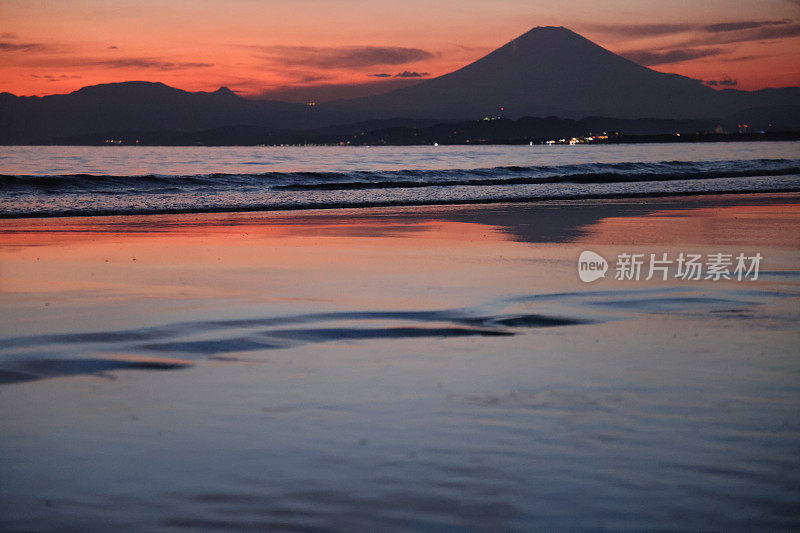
[[641, 30], [256, 86], [151, 64], [52, 55], [783, 31], [334, 91], [724, 82], [22, 47], [344, 57], [113, 47], [404, 74], [51, 77], [120, 63], [778, 32], [707, 42], [244, 85], [736, 59], [305, 78], [743, 25], [650, 58], [407, 74], [8, 35], [743, 30], [138, 63]]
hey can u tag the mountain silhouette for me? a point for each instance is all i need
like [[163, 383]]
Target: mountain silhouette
[[548, 71], [554, 71], [134, 105]]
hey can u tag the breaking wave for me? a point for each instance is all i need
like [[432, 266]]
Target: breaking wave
[[87, 194]]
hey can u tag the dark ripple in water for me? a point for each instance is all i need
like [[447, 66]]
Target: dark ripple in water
[[16, 370], [270, 333]]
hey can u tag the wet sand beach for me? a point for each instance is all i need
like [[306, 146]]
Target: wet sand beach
[[425, 368]]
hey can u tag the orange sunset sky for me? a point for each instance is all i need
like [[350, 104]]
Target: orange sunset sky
[[300, 50]]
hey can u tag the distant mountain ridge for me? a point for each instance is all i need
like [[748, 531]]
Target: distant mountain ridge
[[548, 71], [134, 105]]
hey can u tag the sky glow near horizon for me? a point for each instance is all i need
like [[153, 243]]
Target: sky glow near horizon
[[302, 50]]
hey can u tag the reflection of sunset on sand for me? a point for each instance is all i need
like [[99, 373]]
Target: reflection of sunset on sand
[[748, 225], [252, 258], [418, 257], [266, 256]]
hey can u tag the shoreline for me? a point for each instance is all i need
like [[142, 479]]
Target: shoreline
[[370, 205]]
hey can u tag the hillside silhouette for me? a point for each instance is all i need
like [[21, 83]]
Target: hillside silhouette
[[548, 71]]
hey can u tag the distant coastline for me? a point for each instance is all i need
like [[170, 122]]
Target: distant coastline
[[527, 130]]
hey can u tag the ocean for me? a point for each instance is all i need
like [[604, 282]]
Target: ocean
[[61, 180]]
